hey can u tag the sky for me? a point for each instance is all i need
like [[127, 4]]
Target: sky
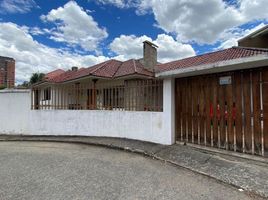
[[44, 35]]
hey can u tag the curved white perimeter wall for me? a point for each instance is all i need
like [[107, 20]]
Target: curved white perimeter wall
[[17, 118]]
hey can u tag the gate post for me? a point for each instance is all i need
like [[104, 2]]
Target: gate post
[[169, 109]]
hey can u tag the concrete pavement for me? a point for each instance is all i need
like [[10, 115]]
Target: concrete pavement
[[248, 175]]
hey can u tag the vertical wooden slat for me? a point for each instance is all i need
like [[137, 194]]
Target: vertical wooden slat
[[181, 110], [220, 114], [201, 109], [198, 109], [189, 110], [178, 109], [243, 112], [238, 106], [247, 99], [229, 138], [265, 109], [233, 112], [207, 120], [210, 109], [256, 111], [251, 115], [195, 113], [261, 113], [215, 106]]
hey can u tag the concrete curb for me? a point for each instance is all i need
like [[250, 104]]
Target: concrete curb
[[150, 154]]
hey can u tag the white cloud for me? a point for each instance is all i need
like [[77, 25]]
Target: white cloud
[[75, 27], [17, 6], [231, 38], [117, 3], [201, 21], [205, 21], [36, 31], [130, 46], [120, 3], [254, 9], [31, 56]]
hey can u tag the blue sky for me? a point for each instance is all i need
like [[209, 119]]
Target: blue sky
[[46, 35]]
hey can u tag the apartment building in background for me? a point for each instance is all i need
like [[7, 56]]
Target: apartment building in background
[[7, 72]]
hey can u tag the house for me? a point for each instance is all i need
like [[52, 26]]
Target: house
[[217, 100], [111, 85], [7, 72]]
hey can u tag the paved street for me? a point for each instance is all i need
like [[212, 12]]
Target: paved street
[[42, 170]]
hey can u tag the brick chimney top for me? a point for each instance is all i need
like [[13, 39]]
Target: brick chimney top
[[149, 55], [74, 68]]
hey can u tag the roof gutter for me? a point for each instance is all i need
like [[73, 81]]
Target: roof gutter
[[223, 66]]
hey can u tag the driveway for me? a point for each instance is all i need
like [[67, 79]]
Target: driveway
[[42, 170]]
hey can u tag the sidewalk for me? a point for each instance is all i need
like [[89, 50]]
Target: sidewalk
[[242, 173]]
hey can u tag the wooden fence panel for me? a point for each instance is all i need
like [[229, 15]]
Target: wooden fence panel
[[226, 115]]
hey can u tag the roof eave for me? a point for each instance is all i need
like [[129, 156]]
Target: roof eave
[[223, 66], [40, 83]]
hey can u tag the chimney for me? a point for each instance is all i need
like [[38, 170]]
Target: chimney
[[74, 68], [149, 55]]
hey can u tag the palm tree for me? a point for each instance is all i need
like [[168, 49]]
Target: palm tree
[[36, 77]]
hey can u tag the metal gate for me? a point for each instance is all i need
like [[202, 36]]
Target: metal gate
[[227, 110]]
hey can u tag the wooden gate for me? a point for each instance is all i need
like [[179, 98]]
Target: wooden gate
[[227, 110]]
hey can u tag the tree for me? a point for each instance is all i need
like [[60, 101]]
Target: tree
[[25, 84], [36, 77], [2, 87]]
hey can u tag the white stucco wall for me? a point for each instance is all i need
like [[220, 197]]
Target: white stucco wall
[[17, 118], [146, 126], [14, 111]]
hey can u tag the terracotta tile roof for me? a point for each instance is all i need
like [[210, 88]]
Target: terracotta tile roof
[[51, 75], [132, 67], [116, 69], [109, 69], [210, 58]]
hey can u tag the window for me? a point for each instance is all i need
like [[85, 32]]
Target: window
[[47, 94]]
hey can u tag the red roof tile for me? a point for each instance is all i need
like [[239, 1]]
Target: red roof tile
[[109, 69], [214, 57], [115, 69], [132, 67], [53, 74]]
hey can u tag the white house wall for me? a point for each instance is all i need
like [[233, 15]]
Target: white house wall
[[16, 117]]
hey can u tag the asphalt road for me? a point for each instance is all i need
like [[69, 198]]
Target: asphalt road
[[41, 170]]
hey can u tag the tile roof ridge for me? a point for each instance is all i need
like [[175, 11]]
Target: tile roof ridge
[[56, 70], [117, 67], [101, 66]]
